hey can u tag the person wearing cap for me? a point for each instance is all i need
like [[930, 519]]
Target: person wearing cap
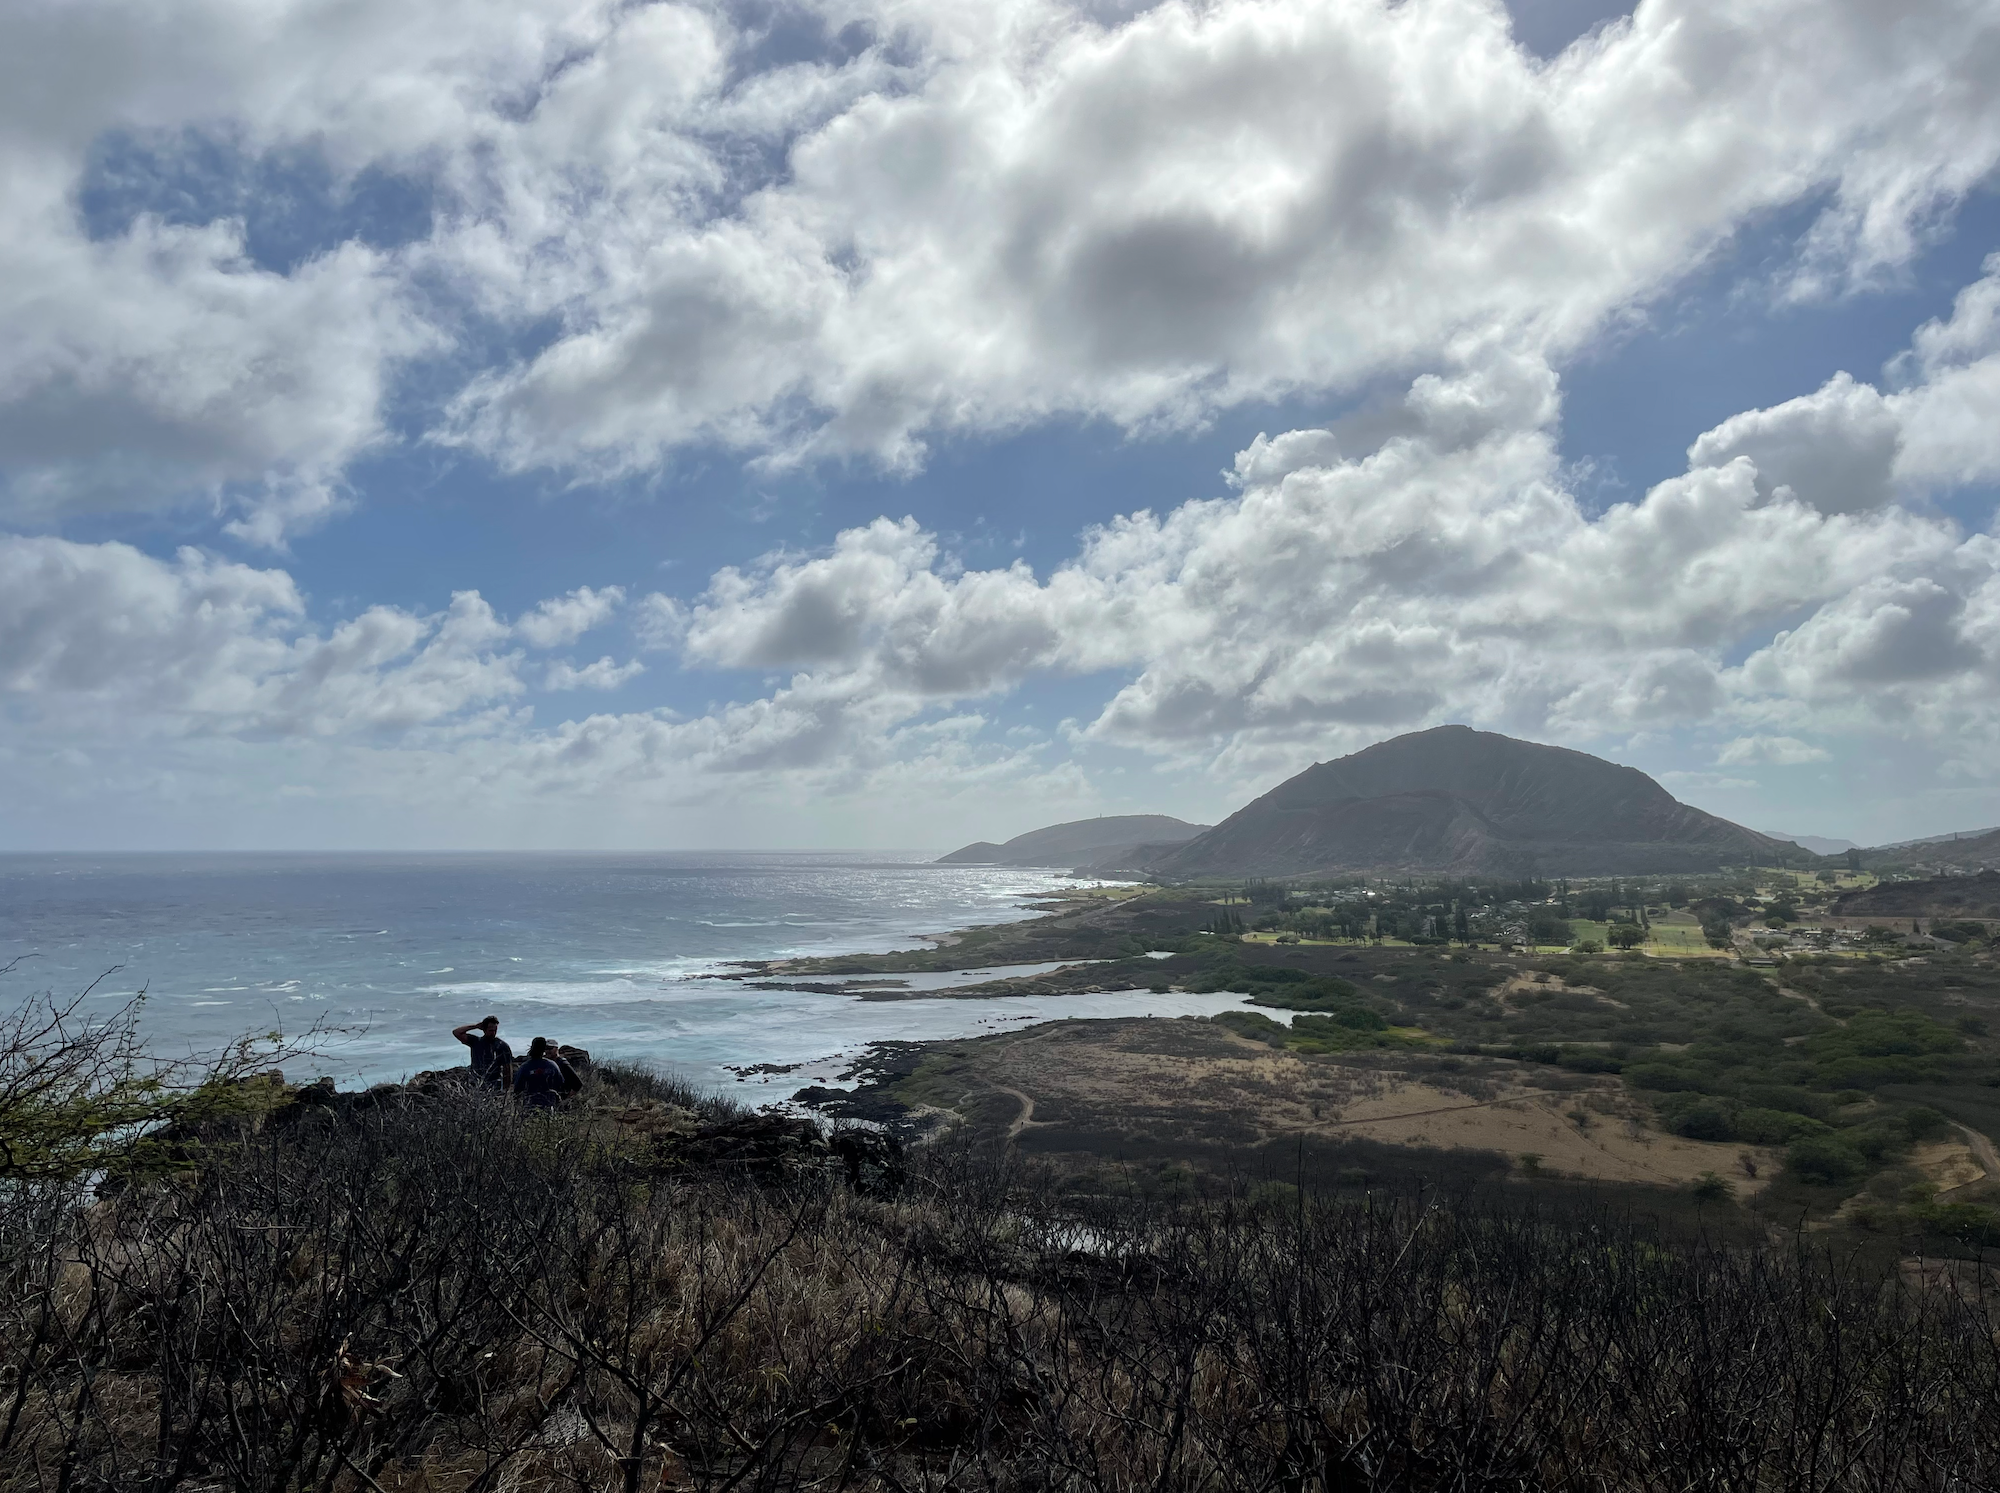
[[492, 1059], [545, 1079]]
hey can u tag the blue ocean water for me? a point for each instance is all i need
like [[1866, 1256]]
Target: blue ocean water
[[613, 952]]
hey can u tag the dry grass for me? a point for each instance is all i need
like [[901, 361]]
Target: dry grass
[[443, 1296], [1202, 1083]]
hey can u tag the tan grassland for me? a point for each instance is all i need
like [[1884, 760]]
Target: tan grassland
[[1197, 1081]]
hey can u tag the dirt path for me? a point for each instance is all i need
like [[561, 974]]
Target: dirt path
[[1982, 1152], [1449, 1109], [1024, 1119]]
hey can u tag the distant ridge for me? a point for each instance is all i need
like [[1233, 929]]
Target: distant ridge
[[1965, 896], [1081, 844], [1458, 801], [1817, 844], [1974, 850]]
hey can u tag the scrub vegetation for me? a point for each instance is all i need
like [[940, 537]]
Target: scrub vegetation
[[435, 1291]]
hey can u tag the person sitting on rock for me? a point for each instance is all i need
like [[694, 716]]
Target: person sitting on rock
[[545, 1079], [492, 1059]]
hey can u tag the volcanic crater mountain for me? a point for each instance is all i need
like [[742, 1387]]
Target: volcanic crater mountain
[[1458, 801], [1448, 801]]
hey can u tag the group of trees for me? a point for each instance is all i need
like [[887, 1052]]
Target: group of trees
[[1539, 913]]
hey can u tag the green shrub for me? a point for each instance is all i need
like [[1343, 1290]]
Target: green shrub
[[1665, 1078], [1789, 1097], [1924, 1123], [1878, 1141], [1704, 1119], [1256, 1028], [1589, 1060], [1774, 1127], [1337, 1033], [1824, 1160], [1875, 1033], [1969, 1223], [1710, 1188]]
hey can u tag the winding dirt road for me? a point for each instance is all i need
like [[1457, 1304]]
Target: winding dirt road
[[1982, 1152], [1025, 1118]]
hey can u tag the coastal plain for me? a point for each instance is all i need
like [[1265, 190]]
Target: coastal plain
[[1659, 1074]]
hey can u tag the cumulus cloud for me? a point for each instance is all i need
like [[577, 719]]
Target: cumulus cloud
[[606, 673], [1146, 218], [161, 366], [967, 219], [102, 637], [1848, 446], [1835, 449], [563, 619], [1951, 410], [1780, 751], [1446, 574], [970, 219], [1338, 594]]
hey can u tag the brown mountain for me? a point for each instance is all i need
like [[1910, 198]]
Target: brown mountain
[[1081, 842], [1458, 801]]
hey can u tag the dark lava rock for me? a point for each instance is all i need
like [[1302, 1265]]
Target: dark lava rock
[[760, 1144], [854, 1104]]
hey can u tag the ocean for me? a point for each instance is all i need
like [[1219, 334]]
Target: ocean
[[612, 952]]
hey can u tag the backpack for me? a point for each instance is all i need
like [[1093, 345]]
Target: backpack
[[539, 1084]]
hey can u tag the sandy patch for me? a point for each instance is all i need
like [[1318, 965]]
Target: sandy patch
[[1222, 1087], [1594, 1133], [1948, 1163]]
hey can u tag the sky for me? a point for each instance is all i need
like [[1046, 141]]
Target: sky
[[893, 423]]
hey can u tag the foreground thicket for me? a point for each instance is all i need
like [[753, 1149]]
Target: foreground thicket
[[447, 1295]]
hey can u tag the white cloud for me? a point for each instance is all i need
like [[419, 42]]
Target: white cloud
[[1446, 574], [606, 673], [989, 216], [1779, 751], [1848, 447], [1341, 593], [1835, 449], [563, 619], [1198, 205], [1950, 416], [103, 639], [161, 366]]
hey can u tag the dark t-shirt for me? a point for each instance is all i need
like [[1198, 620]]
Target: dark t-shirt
[[539, 1083], [492, 1058]]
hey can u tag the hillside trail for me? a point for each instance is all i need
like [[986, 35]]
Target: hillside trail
[[1982, 1152], [1025, 1118], [1448, 1109]]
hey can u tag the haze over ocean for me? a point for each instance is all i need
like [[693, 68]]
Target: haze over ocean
[[605, 951]]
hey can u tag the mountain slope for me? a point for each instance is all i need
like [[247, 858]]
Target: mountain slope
[[1080, 842], [1974, 896], [1976, 850], [1455, 800]]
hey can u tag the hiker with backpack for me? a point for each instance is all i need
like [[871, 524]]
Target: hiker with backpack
[[544, 1081]]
